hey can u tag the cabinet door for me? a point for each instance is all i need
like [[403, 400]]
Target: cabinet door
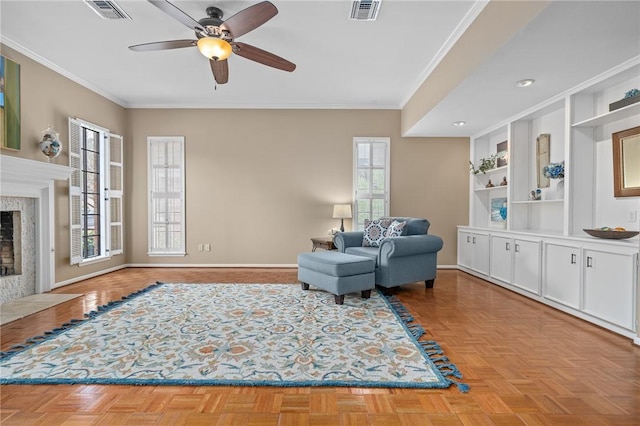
[[562, 274], [481, 253], [609, 287], [465, 249], [501, 258], [526, 256]]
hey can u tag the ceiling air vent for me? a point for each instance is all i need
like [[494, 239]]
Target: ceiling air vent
[[365, 10], [107, 9]]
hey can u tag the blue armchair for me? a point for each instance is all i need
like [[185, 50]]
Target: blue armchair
[[399, 260]]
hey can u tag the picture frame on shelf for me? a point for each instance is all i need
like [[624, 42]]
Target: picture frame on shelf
[[502, 154], [626, 157], [543, 144], [498, 215]]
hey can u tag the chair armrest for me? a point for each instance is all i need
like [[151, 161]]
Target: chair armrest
[[410, 245], [342, 240]]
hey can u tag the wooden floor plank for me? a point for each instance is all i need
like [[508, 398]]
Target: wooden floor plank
[[526, 363]]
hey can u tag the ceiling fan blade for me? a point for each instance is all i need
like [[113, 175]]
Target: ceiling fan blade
[[262, 56], [177, 14], [163, 45], [249, 19], [220, 70]]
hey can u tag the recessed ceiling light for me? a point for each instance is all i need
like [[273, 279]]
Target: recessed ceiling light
[[459, 123], [525, 83]]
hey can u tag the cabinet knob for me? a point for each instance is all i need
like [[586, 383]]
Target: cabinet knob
[[507, 246], [468, 239], [589, 262], [517, 248], [573, 258]]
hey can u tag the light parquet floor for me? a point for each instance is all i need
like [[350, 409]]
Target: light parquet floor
[[526, 363]]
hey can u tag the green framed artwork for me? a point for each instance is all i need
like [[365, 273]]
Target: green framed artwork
[[9, 104]]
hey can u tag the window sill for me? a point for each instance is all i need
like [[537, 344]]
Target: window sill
[[94, 260], [171, 254]]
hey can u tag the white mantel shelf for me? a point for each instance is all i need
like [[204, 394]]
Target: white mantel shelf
[[20, 177], [21, 170]]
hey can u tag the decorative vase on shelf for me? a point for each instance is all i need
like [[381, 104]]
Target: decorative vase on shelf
[[50, 144], [560, 189]]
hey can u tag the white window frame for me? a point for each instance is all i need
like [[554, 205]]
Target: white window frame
[[154, 250], [367, 195], [111, 188]]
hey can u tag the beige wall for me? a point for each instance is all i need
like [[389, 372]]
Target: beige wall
[[49, 98], [261, 183]]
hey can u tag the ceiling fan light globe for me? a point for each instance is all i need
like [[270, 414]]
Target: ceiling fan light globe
[[214, 48]]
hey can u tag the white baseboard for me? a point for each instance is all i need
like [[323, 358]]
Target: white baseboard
[[86, 277], [211, 265], [636, 340], [191, 265]]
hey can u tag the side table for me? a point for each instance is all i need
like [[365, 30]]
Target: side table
[[325, 243]]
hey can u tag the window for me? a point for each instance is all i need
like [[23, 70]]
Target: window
[[95, 192], [370, 179], [166, 196]]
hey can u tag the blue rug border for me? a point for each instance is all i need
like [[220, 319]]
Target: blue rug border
[[430, 350]]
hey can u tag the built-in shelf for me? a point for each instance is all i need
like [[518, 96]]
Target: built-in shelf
[[537, 202], [496, 170], [491, 188], [609, 117]]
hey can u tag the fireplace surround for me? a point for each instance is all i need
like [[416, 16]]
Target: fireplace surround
[[30, 179]]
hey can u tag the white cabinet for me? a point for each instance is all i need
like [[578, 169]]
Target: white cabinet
[[526, 271], [516, 261], [609, 286], [561, 276], [473, 251], [541, 249], [501, 261]]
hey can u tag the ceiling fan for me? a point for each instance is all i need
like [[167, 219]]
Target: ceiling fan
[[216, 38]]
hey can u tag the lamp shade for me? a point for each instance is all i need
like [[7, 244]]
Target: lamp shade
[[214, 48], [342, 211]]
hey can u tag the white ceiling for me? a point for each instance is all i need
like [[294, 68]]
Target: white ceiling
[[340, 63]]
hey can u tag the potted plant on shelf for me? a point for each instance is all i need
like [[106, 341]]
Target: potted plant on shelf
[[485, 164]]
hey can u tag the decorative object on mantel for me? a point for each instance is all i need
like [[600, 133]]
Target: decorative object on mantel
[[50, 144], [489, 184], [631, 97], [611, 233], [504, 181], [535, 195], [485, 164]]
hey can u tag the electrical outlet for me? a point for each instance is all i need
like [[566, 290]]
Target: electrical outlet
[[633, 215], [200, 247], [207, 247]]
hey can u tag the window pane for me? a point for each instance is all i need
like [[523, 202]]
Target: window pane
[[175, 235], [175, 210], [93, 162], [364, 178], [364, 154], [379, 154], [91, 246], [93, 183], [377, 208], [378, 176], [92, 140], [160, 210], [174, 183], [160, 236], [92, 204]]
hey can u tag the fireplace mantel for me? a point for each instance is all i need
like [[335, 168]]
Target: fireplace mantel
[[20, 177]]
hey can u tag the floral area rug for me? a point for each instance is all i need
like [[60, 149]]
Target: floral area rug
[[236, 334]]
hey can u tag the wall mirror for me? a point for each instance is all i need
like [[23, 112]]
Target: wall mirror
[[543, 145], [626, 163]]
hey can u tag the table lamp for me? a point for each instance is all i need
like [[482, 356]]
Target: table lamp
[[342, 212]]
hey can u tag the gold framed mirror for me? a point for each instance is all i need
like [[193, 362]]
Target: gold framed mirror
[[626, 163]]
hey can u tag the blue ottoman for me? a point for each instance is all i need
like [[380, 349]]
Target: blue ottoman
[[337, 273]]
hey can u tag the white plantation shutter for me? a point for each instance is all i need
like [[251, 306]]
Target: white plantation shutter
[[115, 194], [370, 179], [166, 196], [75, 191]]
